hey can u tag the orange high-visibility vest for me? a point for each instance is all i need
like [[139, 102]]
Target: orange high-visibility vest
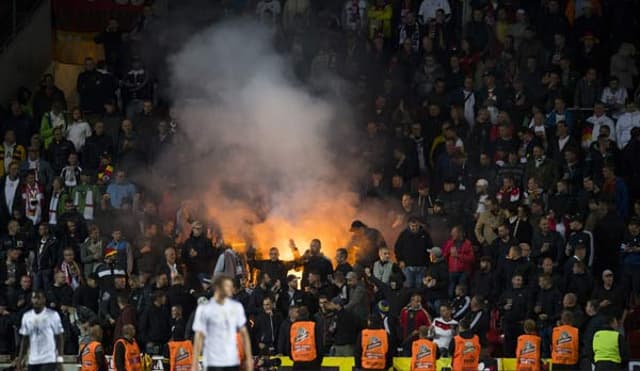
[[88, 358], [303, 341], [240, 347], [528, 353], [423, 355], [132, 360], [375, 346], [180, 355], [564, 345], [467, 353]]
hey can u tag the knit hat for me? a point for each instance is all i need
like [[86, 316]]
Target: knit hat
[[383, 306], [110, 251]]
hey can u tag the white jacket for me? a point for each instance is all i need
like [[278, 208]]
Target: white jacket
[[626, 122]]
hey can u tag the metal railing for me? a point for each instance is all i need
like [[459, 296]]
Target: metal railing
[[14, 15]]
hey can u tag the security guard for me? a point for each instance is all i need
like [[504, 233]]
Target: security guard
[[528, 350], [424, 352], [126, 352], [92, 353], [304, 342], [372, 346], [180, 354], [565, 343], [609, 350], [465, 348]]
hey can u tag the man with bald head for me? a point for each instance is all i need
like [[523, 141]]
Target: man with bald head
[[126, 352]]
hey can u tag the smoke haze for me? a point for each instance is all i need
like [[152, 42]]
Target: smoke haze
[[263, 141]]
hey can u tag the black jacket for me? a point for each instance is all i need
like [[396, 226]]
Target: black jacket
[[480, 321], [440, 272], [520, 300], [94, 147], [5, 213], [551, 302], [155, 325], [179, 295], [484, 284], [411, 248], [277, 270], [59, 153], [87, 297], [202, 262], [59, 295], [579, 284], [265, 329], [48, 256], [555, 245]]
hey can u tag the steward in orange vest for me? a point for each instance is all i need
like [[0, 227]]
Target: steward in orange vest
[[126, 353], [180, 355], [424, 352], [92, 354], [465, 348], [304, 343], [565, 344], [372, 347], [528, 351]]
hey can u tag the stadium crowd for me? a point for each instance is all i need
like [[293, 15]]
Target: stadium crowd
[[507, 144]]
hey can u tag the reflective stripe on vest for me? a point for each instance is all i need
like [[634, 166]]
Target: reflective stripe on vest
[[605, 346], [565, 345], [180, 355], [528, 353], [467, 353], [423, 355], [375, 346], [303, 341]]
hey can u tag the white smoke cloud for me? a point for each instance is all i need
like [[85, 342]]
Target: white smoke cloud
[[262, 132]]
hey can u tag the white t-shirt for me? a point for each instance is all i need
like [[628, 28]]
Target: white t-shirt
[[77, 133], [219, 323], [41, 328]]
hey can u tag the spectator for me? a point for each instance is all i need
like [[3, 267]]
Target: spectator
[[384, 267], [411, 252], [155, 324], [514, 304], [458, 253], [627, 121], [120, 189], [444, 328], [11, 151], [413, 316]]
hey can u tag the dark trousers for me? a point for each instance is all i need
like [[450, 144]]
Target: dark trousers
[[566, 367], [511, 332], [214, 368], [42, 367], [608, 366], [43, 279]]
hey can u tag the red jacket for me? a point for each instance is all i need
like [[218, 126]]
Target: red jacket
[[412, 321], [464, 261]]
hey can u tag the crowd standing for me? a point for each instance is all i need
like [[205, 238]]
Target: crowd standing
[[504, 135]]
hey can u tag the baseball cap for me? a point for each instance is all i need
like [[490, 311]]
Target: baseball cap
[[435, 251]]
